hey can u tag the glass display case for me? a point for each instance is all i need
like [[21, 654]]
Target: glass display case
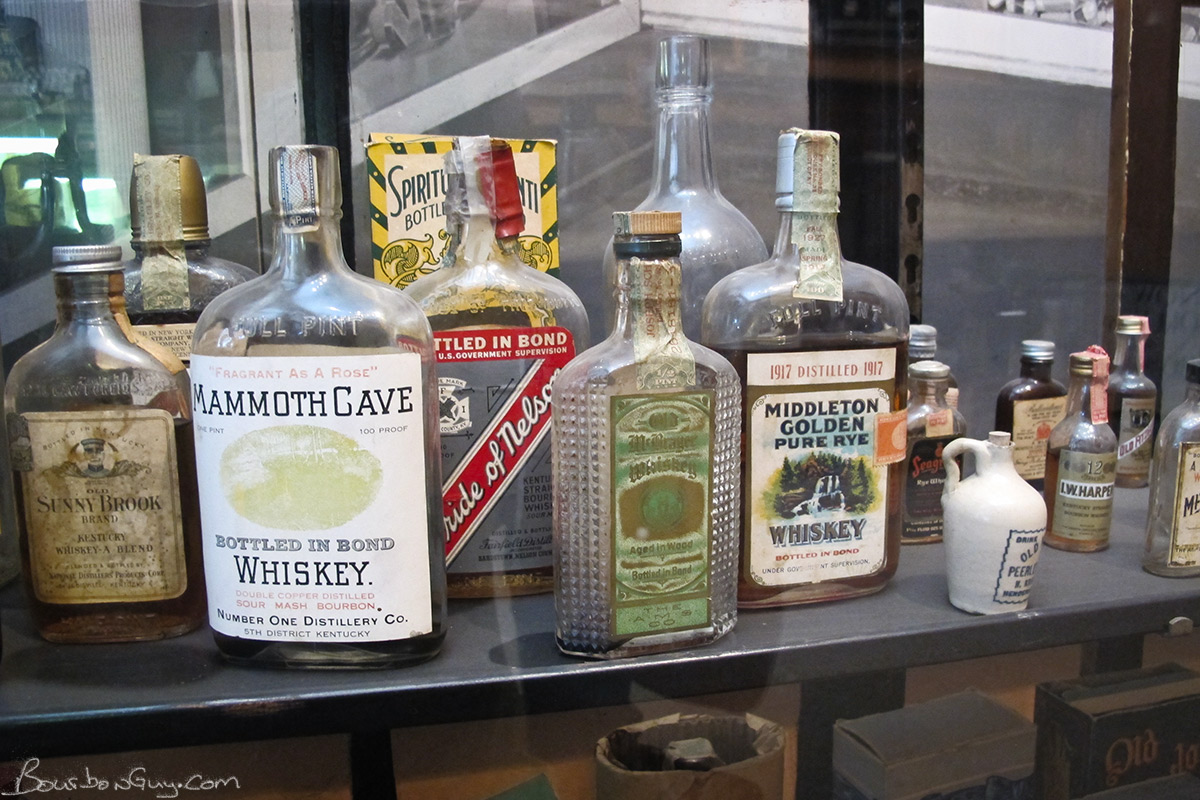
[[977, 172]]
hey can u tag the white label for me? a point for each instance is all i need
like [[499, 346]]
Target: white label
[[1185, 530], [822, 366], [312, 496]]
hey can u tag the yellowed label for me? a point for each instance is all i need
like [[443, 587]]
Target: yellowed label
[[175, 337], [1185, 528], [1032, 422], [160, 212], [407, 182], [102, 506], [939, 423]]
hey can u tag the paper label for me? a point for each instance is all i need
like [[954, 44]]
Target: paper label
[[662, 453], [494, 412], [924, 478], [939, 423], [662, 356], [1185, 531], [1032, 422], [820, 433], [101, 496], [1084, 495], [312, 490], [1134, 438], [1015, 578], [176, 337]]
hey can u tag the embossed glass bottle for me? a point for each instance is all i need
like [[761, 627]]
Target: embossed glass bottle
[[1028, 407], [502, 330], [1173, 525], [1081, 460], [645, 469], [317, 447], [172, 276], [717, 238], [1131, 400], [100, 438], [932, 424], [821, 346]]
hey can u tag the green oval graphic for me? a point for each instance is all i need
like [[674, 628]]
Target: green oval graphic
[[299, 477]]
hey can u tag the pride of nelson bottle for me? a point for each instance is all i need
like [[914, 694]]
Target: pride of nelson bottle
[[172, 277], [645, 464], [1028, 407], [1081, 460], [820, 344], [1173, 525], [1131, 400], [100, 441], [503, 330], [317, 448]]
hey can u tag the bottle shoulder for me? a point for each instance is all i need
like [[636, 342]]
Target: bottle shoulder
[[1076, 432], [208, 277], [613, 363], [1020, 389]]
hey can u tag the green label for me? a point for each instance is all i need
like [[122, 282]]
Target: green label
[[661, 512]]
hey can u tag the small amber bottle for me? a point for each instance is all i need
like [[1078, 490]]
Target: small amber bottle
[[932, 424], [1029, 407]]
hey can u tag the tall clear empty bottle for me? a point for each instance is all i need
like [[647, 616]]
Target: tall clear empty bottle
[[717, 238]]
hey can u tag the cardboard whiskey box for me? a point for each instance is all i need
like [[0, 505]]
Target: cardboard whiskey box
[[961, 745], [1105, 731], [407, 181]]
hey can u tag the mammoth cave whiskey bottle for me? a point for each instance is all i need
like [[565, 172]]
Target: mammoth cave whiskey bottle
[[317, 448], [100, 438], [820, 344], [502, 330]]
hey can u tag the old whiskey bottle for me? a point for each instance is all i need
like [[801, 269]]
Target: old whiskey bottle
[[1029, 406], [932, 424], [1173, 525], [1131, 400]]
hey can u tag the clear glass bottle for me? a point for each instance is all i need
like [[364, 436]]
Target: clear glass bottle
[[501, 324], [172, 277], [1028, 407], [922, 346], [100, 438], [317, 447], [717, 238], [1081, 460], [1173, 525], [645, 462], [821, 346], [1131, 400], [932, 424]]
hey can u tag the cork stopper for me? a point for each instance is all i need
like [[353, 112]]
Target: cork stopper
[[1132, 324], [498, 182], [1037, 350], [1000, 438], [167, 201], [647, 223]]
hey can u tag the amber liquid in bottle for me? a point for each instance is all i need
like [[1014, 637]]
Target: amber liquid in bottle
[[1035, 383]]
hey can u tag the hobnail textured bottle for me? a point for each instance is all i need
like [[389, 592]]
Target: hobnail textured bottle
[[1173, 526], [645, 469], [820, 344], [1131, 400], [497, 323], [317, 447], [1028, 407], [717, 238], [172, 277]]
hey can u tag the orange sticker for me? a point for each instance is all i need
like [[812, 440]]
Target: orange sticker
[[891, 437]]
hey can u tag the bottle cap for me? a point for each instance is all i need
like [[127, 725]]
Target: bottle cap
[[1037, 349], [1000, 438], [305, 184], [1090, 363], [167, 201], [86, 255], [90, 271], [1191, 372], [927, 370], [683, 64], [807, 171], [647, 223], [499, 185], [922, 341], [1129, 323]]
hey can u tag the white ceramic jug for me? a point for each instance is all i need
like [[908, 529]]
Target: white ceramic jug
[[994, 523]]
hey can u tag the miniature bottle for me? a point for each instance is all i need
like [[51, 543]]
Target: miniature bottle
[[172, 277], [317, 447], [645, 455], [1081, 460], [1173, 526], [932, 424], [1029, 407], [501, 324], [100, 438], [717, 238], [922, 346], [1131, 401], [820, 344]]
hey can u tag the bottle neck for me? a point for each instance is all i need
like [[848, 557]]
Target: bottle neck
[[1192, 394], [683, 154], [1087, 399], [195, 247], [1130, 355], [475, 242], [1037, 370], [649, 309], [816, 232], [931, 391], [303, 251]]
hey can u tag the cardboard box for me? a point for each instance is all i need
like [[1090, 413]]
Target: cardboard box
[[1184, 786], [406, 177], [935, 750], [1104, 731]]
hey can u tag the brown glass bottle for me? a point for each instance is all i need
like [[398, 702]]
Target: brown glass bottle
[[932, 424], [1029, 407], [101, 443]]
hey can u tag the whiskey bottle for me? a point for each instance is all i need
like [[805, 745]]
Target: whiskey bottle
[[1173, 525], [717, 238], [502, 331], [645, 463], [1131, 401], [172, 276], [100, 438], [1028, 407], [922, 346], [317, 447], [932, 424], [820, 344], [1081, 460]]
